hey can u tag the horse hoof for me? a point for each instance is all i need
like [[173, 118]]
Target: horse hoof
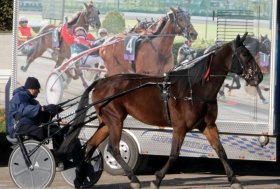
[[135, 185], [153, 186], [236, 186], [77, 184]]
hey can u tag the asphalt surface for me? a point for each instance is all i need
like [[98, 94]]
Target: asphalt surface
[[186, 173]]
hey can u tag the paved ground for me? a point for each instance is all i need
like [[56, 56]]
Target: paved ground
[[188, 173]]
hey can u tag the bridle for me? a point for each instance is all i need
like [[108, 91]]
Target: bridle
[[238, 65], [183, 30], [89, 17]]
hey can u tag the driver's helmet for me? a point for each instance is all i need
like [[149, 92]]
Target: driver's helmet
[[80, 31], [102, 30], [23, 19]]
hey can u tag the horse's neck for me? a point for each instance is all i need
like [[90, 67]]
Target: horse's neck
[[81, 22], [166, 38], [225, 54]]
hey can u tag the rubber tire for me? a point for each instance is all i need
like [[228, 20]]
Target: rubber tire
[[134, 159], [58, 88], [41, 166], [69, 175]]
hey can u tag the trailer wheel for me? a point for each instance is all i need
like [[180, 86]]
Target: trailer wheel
[[129, 152]]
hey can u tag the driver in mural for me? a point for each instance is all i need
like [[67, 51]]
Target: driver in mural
[[80, 41], [25, 33]]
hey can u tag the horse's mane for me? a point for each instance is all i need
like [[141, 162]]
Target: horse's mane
[[192, 74], [161, 25], [74, 19]]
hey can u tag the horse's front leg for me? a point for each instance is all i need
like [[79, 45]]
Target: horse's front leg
[[177, 141], [211, 133], [114, 149], [99, 136]]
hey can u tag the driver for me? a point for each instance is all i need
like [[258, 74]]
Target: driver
[[81, 41], [25, 33], [26, 113]]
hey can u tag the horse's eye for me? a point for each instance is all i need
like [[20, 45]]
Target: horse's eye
[[244, 54]]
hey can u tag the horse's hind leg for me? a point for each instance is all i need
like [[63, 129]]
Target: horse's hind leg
[[177, 141], [34, 53], [211, 133], [100, 135]]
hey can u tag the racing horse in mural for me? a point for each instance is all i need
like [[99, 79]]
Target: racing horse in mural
[[255, 46], [185, 98], [89, 16], [145, 27], [153, 55]]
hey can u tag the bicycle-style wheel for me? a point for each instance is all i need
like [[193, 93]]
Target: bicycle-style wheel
[[54, 88], [93, 172], [43, 163]]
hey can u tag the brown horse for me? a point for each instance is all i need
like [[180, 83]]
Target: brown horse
[[154, 55], [89, 16], [185, 97]]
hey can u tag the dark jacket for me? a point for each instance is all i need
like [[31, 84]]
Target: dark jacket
[[24, 109]]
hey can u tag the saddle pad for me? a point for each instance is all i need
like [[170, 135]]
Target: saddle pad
[[129, 48]]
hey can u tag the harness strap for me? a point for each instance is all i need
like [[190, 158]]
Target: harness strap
[[207, 73], [165, 96]]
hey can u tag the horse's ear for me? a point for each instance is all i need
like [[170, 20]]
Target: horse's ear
[[237, 41], [86, 6], [244, 37], [138, 20], [172, 9]]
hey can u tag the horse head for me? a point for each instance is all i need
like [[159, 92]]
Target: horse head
[[265, 44], [244, 64], [183, 23], [92, 15]]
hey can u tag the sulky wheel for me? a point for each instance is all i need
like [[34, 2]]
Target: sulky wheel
[[54, 88], [43, 164], [94, 172]]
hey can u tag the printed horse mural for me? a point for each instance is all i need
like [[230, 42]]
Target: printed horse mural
[[89, 16], [154, 53]]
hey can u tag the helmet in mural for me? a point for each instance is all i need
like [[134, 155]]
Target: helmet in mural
[[23, 19], [78, 29], [102, 30]]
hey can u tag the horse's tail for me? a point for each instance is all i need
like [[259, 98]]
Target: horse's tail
[[70, 141]]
